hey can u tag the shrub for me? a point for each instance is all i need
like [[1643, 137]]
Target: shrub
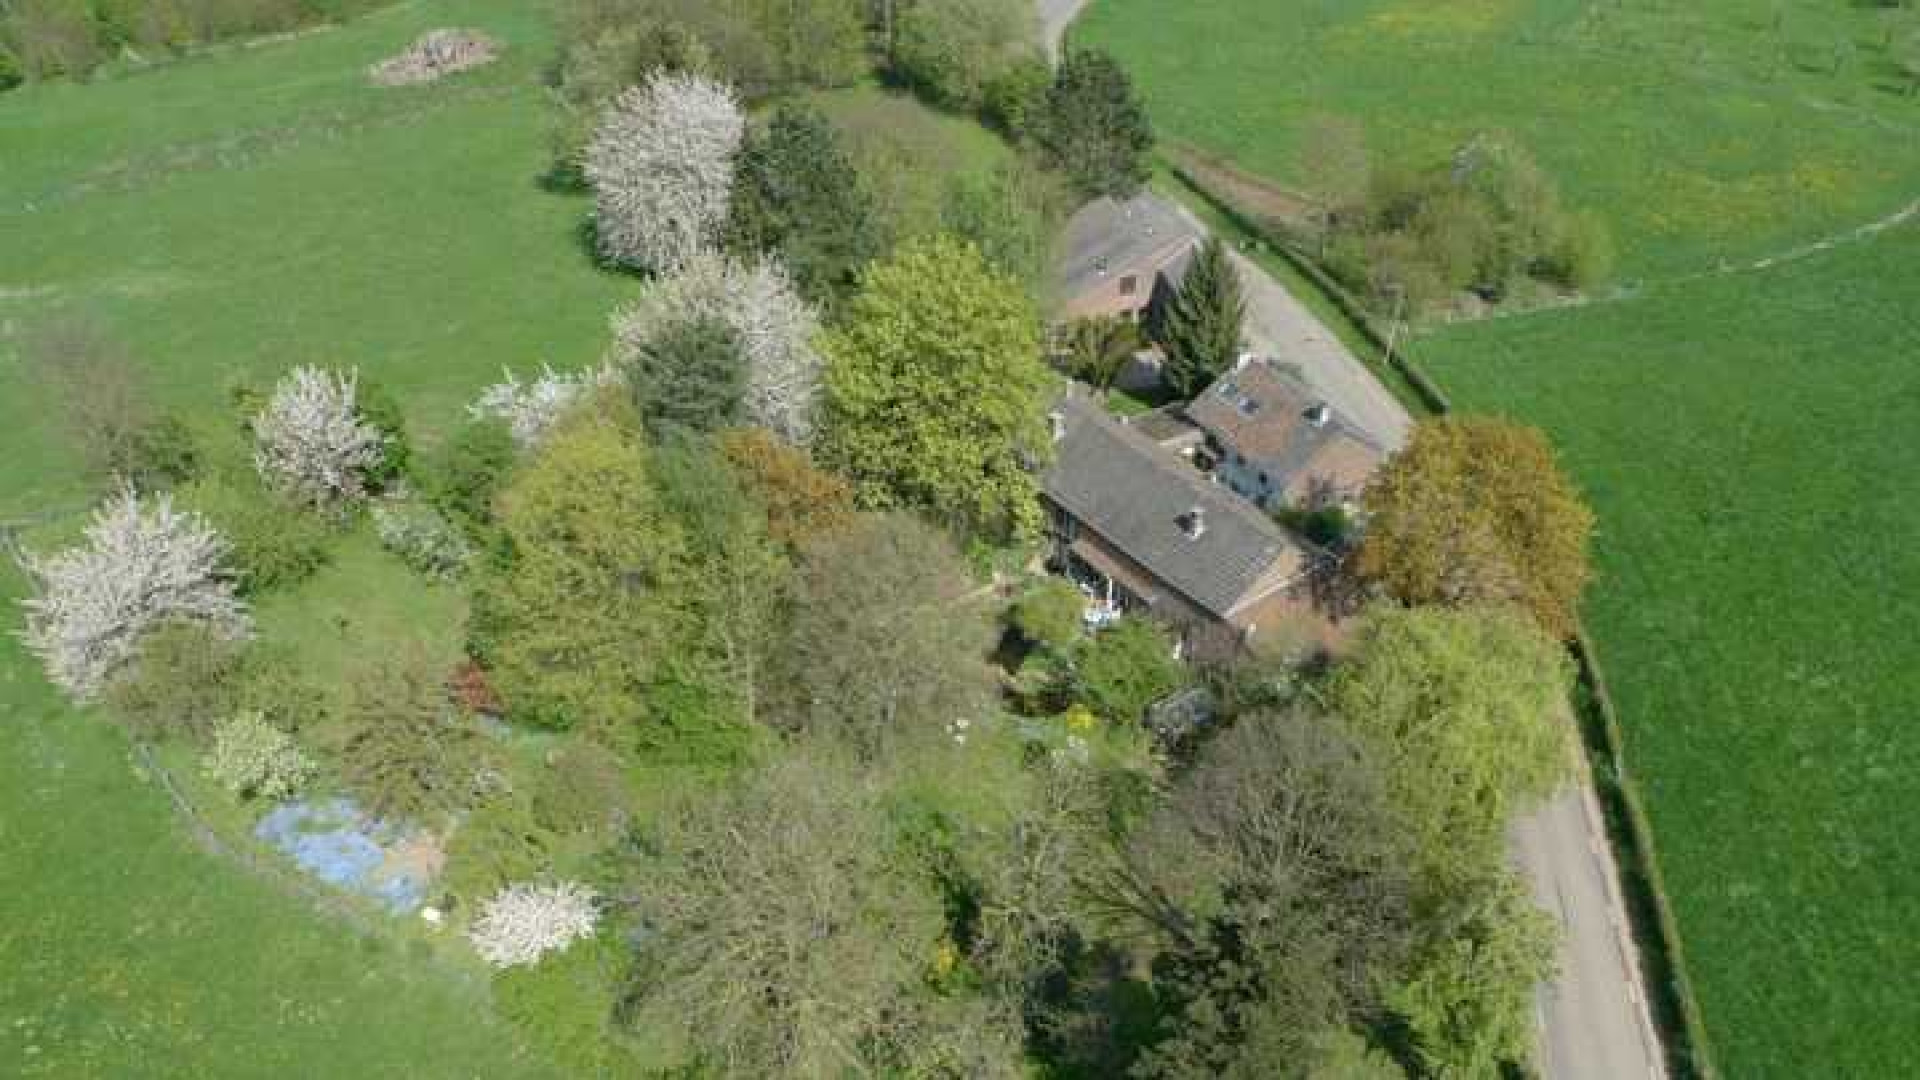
[[180, 678], [524, 922], [471, 469], [581, 789], [951, 50], [1049, 614], [424, 539], [252, 758], [1125, 668], [1015, 97], [271, 680], [381, 411], [274, 545], [311, 442], [405, 753]]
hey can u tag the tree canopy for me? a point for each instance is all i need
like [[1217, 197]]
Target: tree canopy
[[1475, 511], [936, 393], [1093, 127], [1200, 328], [797, 193]]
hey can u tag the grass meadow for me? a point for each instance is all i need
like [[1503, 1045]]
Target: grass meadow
[[1748, 437], [231, 216], [1702, 131]]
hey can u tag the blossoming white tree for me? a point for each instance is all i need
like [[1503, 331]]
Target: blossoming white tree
[[661, 166], [523, 922], [310, 441], [530, 409], [140, 563], [251, 757], [773, 324]]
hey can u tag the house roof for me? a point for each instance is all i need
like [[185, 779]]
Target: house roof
[[1262, 410], [1113, 236], [1136, 495]]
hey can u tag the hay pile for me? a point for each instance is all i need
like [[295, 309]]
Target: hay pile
[[435, 54]]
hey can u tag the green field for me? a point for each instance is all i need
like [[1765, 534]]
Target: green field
[[234, 214], [1702, 131], [1748, 438]]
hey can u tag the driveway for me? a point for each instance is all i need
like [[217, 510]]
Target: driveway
[[1592, 1021]]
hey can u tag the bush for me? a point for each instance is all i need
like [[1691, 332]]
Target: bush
[[181, 677], [581, 789], [1125, 668], [424, 539], [381, 410], [252, 758], [1015, 98], [1049, 614], [274, 544], [952, 50], [272, 682], [471, 469]]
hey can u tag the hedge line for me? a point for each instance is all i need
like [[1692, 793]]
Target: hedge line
[[1676, 1011]]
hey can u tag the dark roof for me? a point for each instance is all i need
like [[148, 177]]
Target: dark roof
[[1116, 482], [1260, 410], [1109, 236]]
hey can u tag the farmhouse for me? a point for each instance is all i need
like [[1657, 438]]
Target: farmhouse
[[1278, 443], [1121, 257], [1143, 530]]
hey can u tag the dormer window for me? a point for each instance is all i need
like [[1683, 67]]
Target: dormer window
[[1129, 284]]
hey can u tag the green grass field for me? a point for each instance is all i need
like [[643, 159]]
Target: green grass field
[[237, 214], [1701, 130], [1748, 438]]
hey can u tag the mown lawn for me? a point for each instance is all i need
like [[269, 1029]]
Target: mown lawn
[[1752, 445], [1703, 131], [235, 215]]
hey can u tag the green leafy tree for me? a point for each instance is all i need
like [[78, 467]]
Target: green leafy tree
[[801, 502], [180, 681], [953, 50], [788, 936], [1475, 511], [1098, 348], [275, 544], [470, 470], [796, 193], [1049, 614], [690, 377], [381, 410], [1012, 213], [1094, 128], [881, 641], [573, 623], [1467, 711], [1125, 668], [935, 390], [1469, 1004], [1200, 328]]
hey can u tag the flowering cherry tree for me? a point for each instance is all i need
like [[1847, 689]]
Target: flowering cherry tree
[[310, 441], [661, 166], [530, 409], [141, 563], [523, 922], [773, 324]]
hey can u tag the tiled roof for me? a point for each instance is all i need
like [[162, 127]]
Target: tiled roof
[[1109, 236], [1136, 495], [1260, 410]]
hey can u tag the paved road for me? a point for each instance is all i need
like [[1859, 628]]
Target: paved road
[[1280, 326], [1592, 1020], [1055, 15]]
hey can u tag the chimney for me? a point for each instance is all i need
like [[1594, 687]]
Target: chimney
[[1057, 421], [1318, 414], [1193, 523]]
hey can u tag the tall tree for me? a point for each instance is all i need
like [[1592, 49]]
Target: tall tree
[[952, 50], [801, 502], [936, 392], [880, 642], [574, 622], [1200, 328], [661, 166], [1476, 511], [1467, 712], [798, 195], [1094, 128], [786, 935], [405, 753], [691, 378], [1012, 214]]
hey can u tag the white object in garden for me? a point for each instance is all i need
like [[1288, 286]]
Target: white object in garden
[[523, 922], [773, 325], [661, 166], [310, 442], [139, 564], [531, 409], [433, 916]]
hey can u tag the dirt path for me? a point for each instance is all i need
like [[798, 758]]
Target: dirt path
[[1055, 17]]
